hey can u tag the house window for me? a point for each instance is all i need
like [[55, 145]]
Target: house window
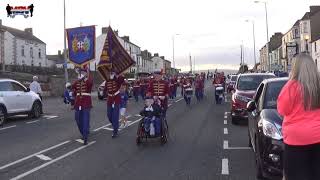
[[316, 62], [305, 27], [22, 50], [39, 64], [31, 52], [315, 46], [39, 53]]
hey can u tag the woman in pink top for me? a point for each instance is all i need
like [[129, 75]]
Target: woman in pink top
[[299, 103]]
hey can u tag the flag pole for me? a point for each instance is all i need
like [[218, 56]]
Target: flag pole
[[65, 44]]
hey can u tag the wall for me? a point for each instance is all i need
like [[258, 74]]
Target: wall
[[316, 52], [305, 30], [8, 48], [28, 59], [158, 63]]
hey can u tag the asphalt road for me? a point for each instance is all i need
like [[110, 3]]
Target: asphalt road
[[203, 145]]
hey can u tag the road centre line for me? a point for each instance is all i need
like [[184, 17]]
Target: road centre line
[[8, 127], [226, 146], [225, 167], [51, 162], [32, 155], [30, 122], [226, 117], [225, 131], [179, 100], [225, 122]]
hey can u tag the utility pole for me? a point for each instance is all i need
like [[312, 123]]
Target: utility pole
[[194, 64], [65, 44], [190, 63]]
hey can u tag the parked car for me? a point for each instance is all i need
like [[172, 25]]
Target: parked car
[[16, 99], [101, 94], [245, 88], [231, 83], [264, 129]]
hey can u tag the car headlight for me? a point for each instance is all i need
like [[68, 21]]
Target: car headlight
[[240, 98], [271, 130]]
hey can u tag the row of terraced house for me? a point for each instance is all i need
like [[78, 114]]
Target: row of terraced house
[[23, 48], [303, 36]]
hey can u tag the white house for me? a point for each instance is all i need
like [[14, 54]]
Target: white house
[[305, 34], [158, 62], [23, 48], [132, 49], [316, 52], [147, 63]]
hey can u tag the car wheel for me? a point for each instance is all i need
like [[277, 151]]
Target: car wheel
[[2, 116], [259, 171], [36, 110]]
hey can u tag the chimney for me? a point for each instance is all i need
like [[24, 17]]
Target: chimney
[[28, 30], [59, 52], [104, 30], [116, 32], [156, 54], [162, 57], [126, 38], [0, 22]]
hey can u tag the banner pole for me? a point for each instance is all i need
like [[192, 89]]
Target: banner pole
[[65, 45]]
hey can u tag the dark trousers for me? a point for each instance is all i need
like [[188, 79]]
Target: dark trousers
[[143, 94], [302, 162], [136, 95], [82, 118], [113, 116]]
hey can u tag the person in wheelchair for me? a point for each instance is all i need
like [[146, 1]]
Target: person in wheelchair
[[152, 117]]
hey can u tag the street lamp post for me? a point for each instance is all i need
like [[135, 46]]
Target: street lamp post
[[267, 27], [173, 62], [254, 42]]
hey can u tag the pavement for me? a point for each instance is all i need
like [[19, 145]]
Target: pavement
[[203, 145]]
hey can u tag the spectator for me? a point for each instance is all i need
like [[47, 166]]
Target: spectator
[[35, 86], [299, 103]]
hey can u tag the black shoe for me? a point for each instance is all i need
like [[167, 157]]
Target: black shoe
[[114, 135], [85, 142]]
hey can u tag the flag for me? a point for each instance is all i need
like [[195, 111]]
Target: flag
[[113, 57], [81, 44]]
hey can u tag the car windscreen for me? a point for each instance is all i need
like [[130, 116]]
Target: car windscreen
[[250, 83], [272, 92], [233, 78]]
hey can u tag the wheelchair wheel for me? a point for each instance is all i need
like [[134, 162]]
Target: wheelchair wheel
[[164, 132]]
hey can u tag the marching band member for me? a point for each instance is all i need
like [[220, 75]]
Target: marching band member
[[112, 89], [82, 91], [136, 89]]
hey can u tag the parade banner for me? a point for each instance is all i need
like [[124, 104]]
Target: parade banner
[[81, 44], [114, 58]]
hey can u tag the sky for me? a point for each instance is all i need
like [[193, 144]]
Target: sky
[[211, 31]]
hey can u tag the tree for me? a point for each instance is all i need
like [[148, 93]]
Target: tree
[[243, 69]]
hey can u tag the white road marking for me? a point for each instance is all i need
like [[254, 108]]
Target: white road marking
[[179, 100], [128, 116], [225, 131], [51, 162], [110, 129], [138, 115], [225, 122], [80, 141], [43, 157], [226, 100], [226, 117], [225, 167], [225, 145], [49, 117], [30, 122], [169, 105], [32, 155], [101, 127], [135, 121], [225, 113], [8, 127]]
